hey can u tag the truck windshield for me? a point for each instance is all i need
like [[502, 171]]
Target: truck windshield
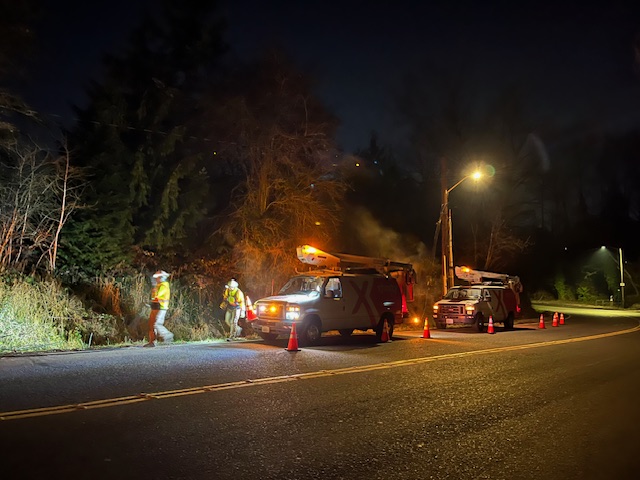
[[302, 285], [463, 293]]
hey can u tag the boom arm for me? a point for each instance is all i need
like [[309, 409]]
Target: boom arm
[[314, 256], [478, 276]]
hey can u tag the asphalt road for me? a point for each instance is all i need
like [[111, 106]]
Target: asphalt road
[[558, 403]]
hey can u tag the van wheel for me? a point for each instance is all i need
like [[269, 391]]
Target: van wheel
[[346, 332], [508, 322], [310, 333], [480, 322]]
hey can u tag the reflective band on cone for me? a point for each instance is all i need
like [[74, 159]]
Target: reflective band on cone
[[385, 333], [426, 333], [293, 339]]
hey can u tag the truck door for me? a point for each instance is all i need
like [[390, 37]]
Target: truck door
[[496, 304], [332, 307]]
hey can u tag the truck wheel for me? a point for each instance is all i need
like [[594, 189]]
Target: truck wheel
[[346, 332], [310, 332], [508, 322], [268, 337], [480, 322]]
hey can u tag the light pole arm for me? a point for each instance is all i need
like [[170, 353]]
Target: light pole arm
[[448, 190]]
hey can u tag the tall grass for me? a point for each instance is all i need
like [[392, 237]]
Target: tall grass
[[38, 316], [43, 315], [193, 312]]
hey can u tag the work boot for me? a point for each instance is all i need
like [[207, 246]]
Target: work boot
[[150, 344]]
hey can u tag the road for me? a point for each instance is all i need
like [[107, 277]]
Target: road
[[554, 403]]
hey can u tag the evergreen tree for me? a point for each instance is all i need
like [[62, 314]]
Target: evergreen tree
[[149, 173], [291, 192]]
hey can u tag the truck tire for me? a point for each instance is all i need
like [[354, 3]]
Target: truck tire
[[310, 332], [346, 332], [508, 322], [480, 322]]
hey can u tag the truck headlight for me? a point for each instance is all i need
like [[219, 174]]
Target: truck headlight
[[470, 309], [292, 313]]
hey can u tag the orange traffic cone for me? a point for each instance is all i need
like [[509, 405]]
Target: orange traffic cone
[[555, 320], [293, 339], [490, 327], [562, 319], [541, 321], [385, 333], [426, 333]]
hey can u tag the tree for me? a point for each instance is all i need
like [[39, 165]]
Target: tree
[[456, 132], [149, 173], [16, 40], [38, 193], [290, 192]]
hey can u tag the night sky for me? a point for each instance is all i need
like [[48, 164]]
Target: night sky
[[573, 63]]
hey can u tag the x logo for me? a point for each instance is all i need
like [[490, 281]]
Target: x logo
[[362, 300]]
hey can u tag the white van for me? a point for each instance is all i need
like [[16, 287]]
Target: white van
[[320, 301]]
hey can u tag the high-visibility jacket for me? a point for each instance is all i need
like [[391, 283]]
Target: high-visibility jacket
[[233, 299], [160, 296]]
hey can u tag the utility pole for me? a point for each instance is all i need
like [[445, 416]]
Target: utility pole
[[444, 223]]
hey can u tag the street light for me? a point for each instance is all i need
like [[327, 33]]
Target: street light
[[621, 275], [447, 240]]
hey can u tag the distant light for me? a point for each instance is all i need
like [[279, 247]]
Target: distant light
[[357, 164], [476, 175], [603, 247], [318, 224]]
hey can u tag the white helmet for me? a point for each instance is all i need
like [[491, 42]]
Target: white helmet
[[161, 274], [233, 284]]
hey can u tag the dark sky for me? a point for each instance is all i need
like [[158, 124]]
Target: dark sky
[[573, 62]]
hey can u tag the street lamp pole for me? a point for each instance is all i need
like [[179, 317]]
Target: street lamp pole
[[621, 279], [447, 236]]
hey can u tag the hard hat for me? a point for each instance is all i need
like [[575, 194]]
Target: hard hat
[[233, 284], [160, 274]]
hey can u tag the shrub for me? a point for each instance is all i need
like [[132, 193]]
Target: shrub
[[38, 316]]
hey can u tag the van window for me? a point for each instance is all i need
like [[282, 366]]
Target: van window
[[333, 289], [463, 294], [302, 285]]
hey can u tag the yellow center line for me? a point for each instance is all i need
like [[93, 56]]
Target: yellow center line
[[144, 397]]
